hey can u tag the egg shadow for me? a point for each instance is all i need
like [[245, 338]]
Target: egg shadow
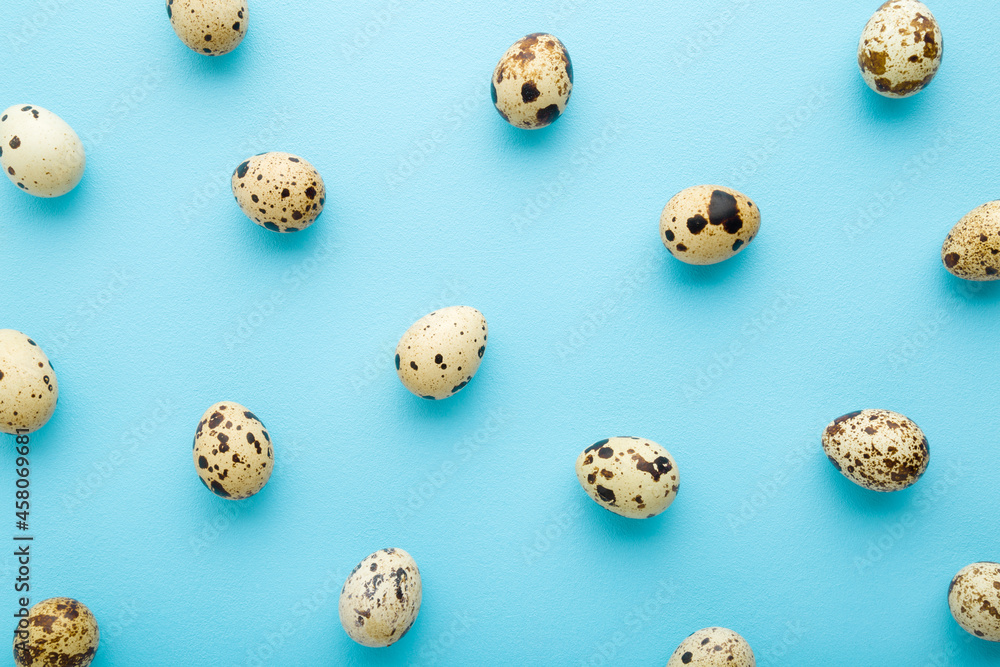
[[859, 500], [602, 525], [882, 110], [44, 210], [708, 275], [971, 291], [547, 138]]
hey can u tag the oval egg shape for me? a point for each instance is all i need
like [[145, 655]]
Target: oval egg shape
[[59, 631], [713, 647], [877, 449], [232, 453], [209, 27], [39, 151], [279, 191], [633, 477], [900, 49], [533, 81], [28, 387], [971, 250], [439, 355], [381, 598], [974, 600], [707, 224]]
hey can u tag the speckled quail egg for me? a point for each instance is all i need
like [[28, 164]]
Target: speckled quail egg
[[974, 600], [279, 191], [440, 353], [900, 49], [972, 249], [232, 451], [713, 647], [28, 387], [57, 631], [39, 151], [633, 477], [877, 449], [533, 81], [707, 224], [210, 27], [381, 598]]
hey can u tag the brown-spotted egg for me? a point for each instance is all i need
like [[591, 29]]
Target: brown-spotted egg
[[974, 600], [209, 27], [279, 191], [232, 453], [39, 152], [533, 81], [971, 250], [900, 49], [633, 477], [438, 355], [713, 647], [877, 449], [707, 224], [28, 387], [57, 632], [381, 598]]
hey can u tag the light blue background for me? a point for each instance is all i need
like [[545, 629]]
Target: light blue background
[[155, 297]]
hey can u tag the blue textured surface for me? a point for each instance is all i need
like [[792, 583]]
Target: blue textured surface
[[155, 297]]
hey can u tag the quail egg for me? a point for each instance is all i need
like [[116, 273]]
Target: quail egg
[[972, 249], [533, 81], [209, 27], [441, 352], [707, 224], [877, 449], [713, 647], [381, 598], [900, 49], [974, 600], [39, 151], [633, 477], [57, 631], [28, 387], [232, 451], [279, 191]]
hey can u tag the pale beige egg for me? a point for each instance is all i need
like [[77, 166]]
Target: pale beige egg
[[39, 152], [279, 191], [877, 449], [232, 453], [57, 632], [707, 224], [28, 387], [381, 598], [974, 600], [439, 355], [633, 477], [900, 49], [209, 27], [533, 81], [713, 647], [971, 250]]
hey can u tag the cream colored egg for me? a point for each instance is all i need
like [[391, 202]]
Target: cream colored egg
[[279, 191], [707, 224], [39, 152], [233, 454], [974, 600], [441, 352], [877, 449], [633, 477], [57, 632], [713, 647], [900, 49], [210, 27], [381, 598], [28, 387], [533, 81], [972, 249]]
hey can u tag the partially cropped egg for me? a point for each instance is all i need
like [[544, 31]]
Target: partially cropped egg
[[39, 152], [209, 27]]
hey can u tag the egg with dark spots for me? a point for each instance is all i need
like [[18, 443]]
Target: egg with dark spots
[[29, 390], [900, 49], [713, 647], [233, 454], [279, 191], [971, 250], [974, 600], [381, 598], [39, 152], [877, 449], [633, 477], [440, 354], [209, 27], [532, 82], [708, 224], [57, 632]]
